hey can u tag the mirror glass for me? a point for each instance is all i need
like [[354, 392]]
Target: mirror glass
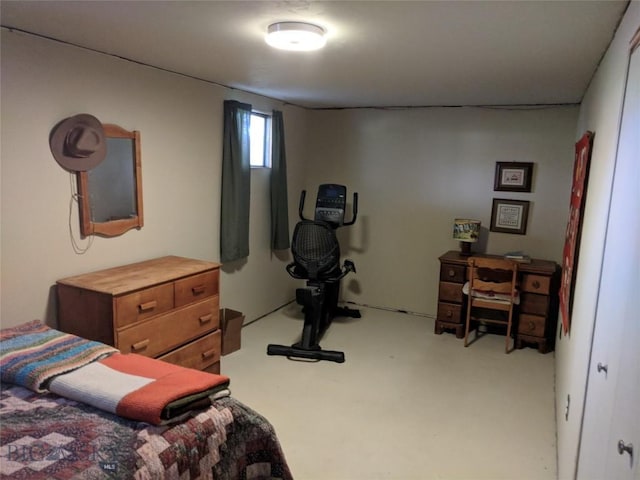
[[111, 193]]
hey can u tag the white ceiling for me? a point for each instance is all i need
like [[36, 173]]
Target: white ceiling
[[379, 53]]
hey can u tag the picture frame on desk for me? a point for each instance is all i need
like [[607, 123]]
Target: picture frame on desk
[[513, 176], [509, 216]]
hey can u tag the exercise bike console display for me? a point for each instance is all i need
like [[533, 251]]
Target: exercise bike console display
[[331, 203]]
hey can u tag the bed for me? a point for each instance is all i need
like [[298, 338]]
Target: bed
[[45, 435]]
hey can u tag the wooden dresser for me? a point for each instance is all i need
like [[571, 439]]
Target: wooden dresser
[[166, 308], [538, 299]]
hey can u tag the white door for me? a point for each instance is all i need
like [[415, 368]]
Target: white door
[[610, 442]]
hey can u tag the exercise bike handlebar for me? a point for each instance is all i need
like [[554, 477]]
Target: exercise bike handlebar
[[301, 205], [347, 267], [354, 210]]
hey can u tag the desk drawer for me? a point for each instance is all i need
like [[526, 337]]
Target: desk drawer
[[533, 303], [450, 292], [449, 312], [196, 287], [452, 273], [143, 304], [199, 354], [160, 334], [536, 283], [531, 325]]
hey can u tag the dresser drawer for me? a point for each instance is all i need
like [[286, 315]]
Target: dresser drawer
[[160, 334], [450, 312], [213, 368], [534, 303], [453, 273], [143, 304], [450, 292], [535, 284], [200, 354], [531, 325], [196, 287]]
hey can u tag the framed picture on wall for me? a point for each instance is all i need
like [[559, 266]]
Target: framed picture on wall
[[509, 216], [574, 227], [513, 177]]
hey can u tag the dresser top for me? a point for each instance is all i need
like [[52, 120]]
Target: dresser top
[[135, 276]]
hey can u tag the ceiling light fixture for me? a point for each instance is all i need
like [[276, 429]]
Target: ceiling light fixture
[[296, 36]]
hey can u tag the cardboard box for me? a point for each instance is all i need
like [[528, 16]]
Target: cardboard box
[[231, 325]]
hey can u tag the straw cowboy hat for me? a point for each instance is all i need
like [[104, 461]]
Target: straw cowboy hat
[[78, 143]]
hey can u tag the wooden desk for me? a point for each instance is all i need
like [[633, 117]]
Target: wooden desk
[[535, 319]]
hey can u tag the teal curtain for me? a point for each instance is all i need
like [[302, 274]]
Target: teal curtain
[[279, 203], [236, 182]]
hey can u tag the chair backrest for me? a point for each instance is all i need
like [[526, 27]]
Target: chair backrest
[[496, 275], [315, 250]]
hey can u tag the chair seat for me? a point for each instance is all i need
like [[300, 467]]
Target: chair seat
[[492, 297]]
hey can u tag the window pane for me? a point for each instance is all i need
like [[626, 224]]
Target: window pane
[[258, 136]]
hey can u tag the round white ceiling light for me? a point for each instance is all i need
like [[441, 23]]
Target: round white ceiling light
[[296, 36]]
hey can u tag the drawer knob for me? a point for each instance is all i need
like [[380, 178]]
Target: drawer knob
[[532, 325], [536, 284], [208, 354], [205, 319], [451, 273], [145, 307], [197, 290], [449, 314], [140, 345]]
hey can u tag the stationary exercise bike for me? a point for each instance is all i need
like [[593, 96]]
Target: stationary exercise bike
[[316, 258]]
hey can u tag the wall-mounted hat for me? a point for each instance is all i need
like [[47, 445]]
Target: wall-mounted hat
[[78, 143]]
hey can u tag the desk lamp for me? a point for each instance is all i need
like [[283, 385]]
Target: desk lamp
[[467, 231]]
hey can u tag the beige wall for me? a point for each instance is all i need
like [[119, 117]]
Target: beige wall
[[180, 120], [600, 112], [417, 169]]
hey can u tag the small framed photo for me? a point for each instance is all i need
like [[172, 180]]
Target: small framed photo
[[513, 177], [509, 216]]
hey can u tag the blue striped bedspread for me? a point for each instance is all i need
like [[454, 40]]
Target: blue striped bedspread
[[31, 354]]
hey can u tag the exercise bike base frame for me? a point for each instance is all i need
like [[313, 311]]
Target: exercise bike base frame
[[316, 321], [294, 351]]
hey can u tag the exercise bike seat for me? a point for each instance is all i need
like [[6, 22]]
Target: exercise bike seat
[[316, 253]]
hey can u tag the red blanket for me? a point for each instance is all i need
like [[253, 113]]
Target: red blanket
[[140, 388]]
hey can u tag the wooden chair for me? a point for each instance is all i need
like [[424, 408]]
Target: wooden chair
[[492, 294]]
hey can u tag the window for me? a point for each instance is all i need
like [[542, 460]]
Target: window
[[260, 132]]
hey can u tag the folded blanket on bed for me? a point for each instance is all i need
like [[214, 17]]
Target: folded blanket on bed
[[140, 388], [31, 354]]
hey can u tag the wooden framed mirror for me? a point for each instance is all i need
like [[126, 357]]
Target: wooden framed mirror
[[110, 195]]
